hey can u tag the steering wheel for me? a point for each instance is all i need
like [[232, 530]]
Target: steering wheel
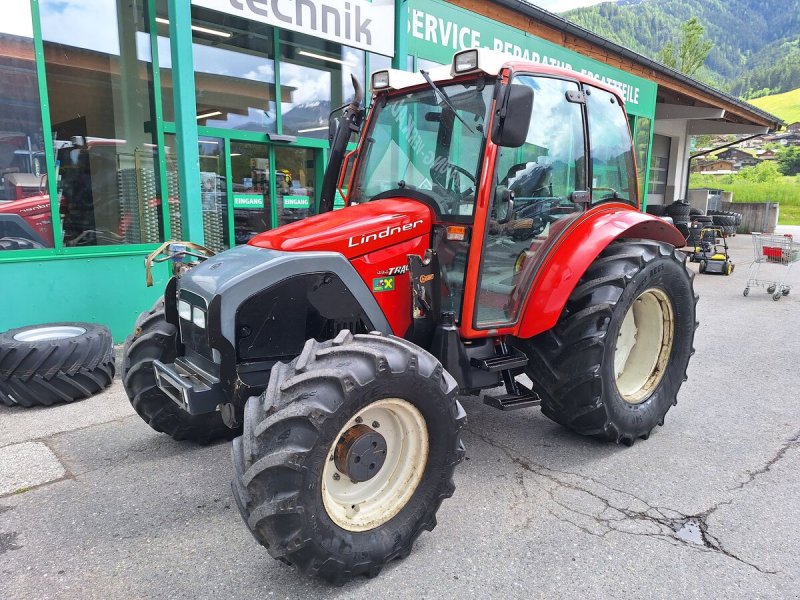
[[463, 171]]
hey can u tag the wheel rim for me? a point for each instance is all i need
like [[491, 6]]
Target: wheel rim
[[365, 505], [46, 334], [644, 345]]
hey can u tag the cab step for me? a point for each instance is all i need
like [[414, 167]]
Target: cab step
[[524, 398], [510, 359]]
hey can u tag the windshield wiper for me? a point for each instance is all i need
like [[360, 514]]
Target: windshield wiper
[[444, 98]]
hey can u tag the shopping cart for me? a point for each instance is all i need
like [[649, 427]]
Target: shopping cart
[[772, 250]]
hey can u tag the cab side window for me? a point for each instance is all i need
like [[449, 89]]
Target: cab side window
[[542, 176], [613, 174]]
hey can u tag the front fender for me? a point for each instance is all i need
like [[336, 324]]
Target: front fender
[[572, 254]]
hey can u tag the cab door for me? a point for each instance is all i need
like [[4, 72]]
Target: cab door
[[547, 176]]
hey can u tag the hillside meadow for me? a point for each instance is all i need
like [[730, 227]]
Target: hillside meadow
[[786, 105], [783, 190]]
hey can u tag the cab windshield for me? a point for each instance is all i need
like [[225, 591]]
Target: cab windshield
[[417, 147]]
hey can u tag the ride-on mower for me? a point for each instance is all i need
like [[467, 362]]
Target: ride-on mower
[[491, 229]]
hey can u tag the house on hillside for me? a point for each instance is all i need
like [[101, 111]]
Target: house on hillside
[[713, 167], [767, 155], [794, 127], [740, 158]]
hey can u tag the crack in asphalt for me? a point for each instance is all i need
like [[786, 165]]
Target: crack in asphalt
[[781, 452], [647, 520]]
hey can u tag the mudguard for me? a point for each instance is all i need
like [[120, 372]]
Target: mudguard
[[568, 259]]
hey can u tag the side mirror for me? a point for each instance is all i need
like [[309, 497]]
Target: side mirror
[[503, 204], [513, 115]]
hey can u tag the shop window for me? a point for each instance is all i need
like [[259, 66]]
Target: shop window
[[295, 183], [25, 214], [612, 156], [315, 80], [252, 206], [99, 82], [234, 71], [213, 192]]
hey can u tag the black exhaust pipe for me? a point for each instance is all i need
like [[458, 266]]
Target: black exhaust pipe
[[346, 125]]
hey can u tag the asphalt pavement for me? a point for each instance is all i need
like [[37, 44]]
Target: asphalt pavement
[[94, 504]]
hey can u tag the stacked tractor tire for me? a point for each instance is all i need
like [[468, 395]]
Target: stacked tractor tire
[[683, 216], [726, 220]]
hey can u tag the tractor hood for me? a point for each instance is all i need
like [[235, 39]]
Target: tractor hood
[[352, 231]]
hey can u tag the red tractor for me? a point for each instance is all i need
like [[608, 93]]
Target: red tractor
[[492, 228]]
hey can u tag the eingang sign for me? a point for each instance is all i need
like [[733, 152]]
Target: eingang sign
[[436, 30], [364, 24]]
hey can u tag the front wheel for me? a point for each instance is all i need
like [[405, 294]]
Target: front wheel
[[613, 364], [348, 454], [154, 338]]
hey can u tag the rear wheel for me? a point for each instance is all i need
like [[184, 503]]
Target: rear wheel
[[348, 454], [613, 364], [154, 338]]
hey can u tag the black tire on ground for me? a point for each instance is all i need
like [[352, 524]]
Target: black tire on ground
[[702, 267], [41, 365], [18, 243], [572, 365], [154, 339], [280, 479], [695, 212]]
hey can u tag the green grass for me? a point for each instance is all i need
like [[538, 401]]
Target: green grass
[[785, 191], [786, 105]]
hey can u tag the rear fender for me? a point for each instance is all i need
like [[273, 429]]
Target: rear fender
[[569, 258]]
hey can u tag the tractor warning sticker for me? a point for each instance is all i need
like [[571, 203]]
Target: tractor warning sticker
[[383, 284]]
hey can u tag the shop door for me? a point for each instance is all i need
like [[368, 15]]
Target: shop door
[[296, 183], [250, 186]]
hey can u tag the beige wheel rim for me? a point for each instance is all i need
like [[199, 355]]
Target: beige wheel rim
[[361, 506], [644, 345]]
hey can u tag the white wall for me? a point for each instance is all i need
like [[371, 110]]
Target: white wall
[[676, 130]]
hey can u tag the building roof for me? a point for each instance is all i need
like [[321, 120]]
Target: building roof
[[568, 27]]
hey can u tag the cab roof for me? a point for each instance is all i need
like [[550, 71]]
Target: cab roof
[[489, 62]]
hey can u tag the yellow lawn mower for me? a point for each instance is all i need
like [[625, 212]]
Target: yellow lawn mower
[[711, 254]]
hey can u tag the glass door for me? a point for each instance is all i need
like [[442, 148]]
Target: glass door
[[296, 183], [252, 204]]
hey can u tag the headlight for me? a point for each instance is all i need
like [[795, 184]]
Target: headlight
[[380, 80], [199, 317], [465, 61], [184, 310]]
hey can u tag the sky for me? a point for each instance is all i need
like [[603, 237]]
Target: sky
[[562, 5]]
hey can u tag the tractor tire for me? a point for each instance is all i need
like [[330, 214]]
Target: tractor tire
[[573, 365], [42, 365], [288, 485], [153, 338]]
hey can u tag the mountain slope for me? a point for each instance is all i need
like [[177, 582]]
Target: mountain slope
[[786, 105], [755, 41]]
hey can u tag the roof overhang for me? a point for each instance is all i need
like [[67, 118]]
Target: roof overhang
[[666, 112], [724, 127]]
